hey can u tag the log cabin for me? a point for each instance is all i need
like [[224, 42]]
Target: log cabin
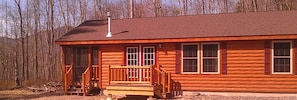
[[166, 56]]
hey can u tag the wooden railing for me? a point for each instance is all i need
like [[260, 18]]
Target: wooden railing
[[163, 79], [95, 73], [68, 77], [86, 79], [130, 74], [141, 74]]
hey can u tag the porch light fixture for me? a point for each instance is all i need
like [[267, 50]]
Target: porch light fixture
[[160, 45], [109, 32]]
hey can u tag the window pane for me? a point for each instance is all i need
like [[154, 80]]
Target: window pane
[[190, 50], [84, 57], [67, 55], [190, 65], [210, 65], [148, 53], [282, 49], [210, 50], [281, 64], [94, 55], [132, 56]]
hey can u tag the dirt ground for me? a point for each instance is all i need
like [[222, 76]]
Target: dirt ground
[[25, 94]]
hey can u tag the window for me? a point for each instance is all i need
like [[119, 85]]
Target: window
[[148, 56], [81, 57], [94, 55], [67, 55], [190, 58], [148, 59], [132, 56], [282, 57], [210, 58], [132, 60]]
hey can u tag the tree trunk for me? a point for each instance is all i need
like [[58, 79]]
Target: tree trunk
[[36, 24], [255, 5], [21, 30]]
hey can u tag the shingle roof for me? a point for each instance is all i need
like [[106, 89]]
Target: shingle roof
[[215, 25]]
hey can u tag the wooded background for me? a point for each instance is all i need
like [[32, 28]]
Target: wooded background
[[28, 28]]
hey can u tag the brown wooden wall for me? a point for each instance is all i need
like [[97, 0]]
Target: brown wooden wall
[[245, 69], [111, 55]]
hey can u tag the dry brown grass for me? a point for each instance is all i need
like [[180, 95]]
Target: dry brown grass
[[6, 85], [14, 94]]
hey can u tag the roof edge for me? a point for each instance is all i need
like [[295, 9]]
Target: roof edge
[[174, 40]]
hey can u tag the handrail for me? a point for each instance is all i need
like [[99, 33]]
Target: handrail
[[68, 78], [130, 74], [163, 79], [140, 74], [86, 78], [130, 66], [95, 72]]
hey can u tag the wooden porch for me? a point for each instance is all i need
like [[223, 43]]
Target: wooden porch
[[89, 80], [80, 69], [139, 80]]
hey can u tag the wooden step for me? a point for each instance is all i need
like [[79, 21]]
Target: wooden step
[[75, 90], [130, 89]]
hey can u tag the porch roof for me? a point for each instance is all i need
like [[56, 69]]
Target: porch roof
[[198, 26]]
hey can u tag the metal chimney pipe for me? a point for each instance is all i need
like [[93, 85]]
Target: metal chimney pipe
[[109, 32]]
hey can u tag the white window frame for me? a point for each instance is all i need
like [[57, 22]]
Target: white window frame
[[218, 54], [137, 55], [143, 53], [291, 57], [146, 75], [132, 73], [198, 58]]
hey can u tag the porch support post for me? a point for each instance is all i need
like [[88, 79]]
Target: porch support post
[[72, 57], [63, 68], [140, 63], [151, 74], [72, 61], [158, 75], [99, 67], [90, 60]]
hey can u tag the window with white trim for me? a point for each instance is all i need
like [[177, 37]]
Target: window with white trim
[[210, 58], [281, 57], [190, 58], [148, 59], [132, 56], [148, 56], [132, 60]]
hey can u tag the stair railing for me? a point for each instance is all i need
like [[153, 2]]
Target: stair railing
[[129, 74], [68, 78], [86, 79], [163, 79]]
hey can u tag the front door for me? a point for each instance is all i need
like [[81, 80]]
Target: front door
[[139, 56], [80, 62]]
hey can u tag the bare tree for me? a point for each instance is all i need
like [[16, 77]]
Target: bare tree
[[21, 30], [255, 5], [36, 4]]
